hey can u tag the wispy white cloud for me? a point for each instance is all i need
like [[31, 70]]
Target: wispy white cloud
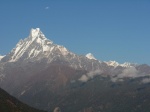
[[90, 75], [131, 72], [47, 8], [84, 78]]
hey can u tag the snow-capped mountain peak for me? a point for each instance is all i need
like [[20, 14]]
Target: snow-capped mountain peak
[[36, 47], [34, 32], [90, 56]]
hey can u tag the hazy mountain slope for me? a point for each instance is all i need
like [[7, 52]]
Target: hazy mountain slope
[[11, 104], [98, 94]]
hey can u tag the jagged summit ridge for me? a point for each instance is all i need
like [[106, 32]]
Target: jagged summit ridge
[[116, 64], [36, 45], [38, 35], [37, 48]]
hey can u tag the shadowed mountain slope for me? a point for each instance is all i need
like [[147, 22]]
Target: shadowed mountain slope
[[10, 104]]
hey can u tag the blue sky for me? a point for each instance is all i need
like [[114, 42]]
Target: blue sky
[[109, 29]]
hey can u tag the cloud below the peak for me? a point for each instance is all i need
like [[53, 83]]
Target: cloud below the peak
[[146, 80], [90, 75], [129, 72]]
